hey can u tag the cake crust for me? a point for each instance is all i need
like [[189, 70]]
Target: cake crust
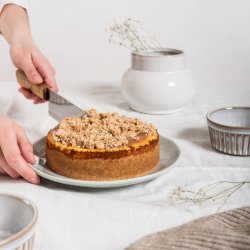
[[103, 165], [97, 165]]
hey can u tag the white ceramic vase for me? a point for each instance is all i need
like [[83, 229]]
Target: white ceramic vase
[[158, 82]]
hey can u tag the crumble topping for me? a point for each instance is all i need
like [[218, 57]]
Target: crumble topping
[[100, 130]]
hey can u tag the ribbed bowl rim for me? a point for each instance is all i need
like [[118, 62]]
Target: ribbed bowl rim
[[29, 227], [221, 125]]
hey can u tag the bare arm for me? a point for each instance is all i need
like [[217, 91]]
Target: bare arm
[[16, 153], [14, 25]]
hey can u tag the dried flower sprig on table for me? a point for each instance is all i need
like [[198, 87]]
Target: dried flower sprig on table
[[209, 193], [132, 35]]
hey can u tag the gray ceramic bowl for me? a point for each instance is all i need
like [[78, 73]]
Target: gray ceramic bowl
[[18, 218], [229, 130]]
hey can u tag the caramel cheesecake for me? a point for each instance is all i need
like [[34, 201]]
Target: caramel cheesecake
[[102, 147]]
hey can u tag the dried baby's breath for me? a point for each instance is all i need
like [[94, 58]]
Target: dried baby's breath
[[221, 190], [132, 35]]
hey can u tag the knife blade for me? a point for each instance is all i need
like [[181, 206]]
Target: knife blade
[[59, 107]]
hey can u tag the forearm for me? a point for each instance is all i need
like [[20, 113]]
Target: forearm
[[14, 24]]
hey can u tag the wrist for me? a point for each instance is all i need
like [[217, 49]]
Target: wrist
[[14, 24]]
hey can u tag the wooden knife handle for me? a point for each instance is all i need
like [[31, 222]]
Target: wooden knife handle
[[40, 90]]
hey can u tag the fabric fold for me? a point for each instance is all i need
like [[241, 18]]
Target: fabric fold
[[229, 230]]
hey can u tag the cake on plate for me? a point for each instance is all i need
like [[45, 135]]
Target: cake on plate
[[102, 147]]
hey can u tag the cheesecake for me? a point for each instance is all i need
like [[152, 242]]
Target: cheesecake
[[102, 147]]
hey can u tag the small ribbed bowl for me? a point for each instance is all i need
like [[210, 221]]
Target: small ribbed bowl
[[18, 219], [229, 130]]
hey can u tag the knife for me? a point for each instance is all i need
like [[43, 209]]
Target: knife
[[59, 107]]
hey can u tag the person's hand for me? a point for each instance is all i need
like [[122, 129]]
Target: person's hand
[[14, 25], [26, 56], [16, 152]]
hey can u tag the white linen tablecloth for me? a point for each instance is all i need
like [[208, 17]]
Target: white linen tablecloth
[[81, 218]]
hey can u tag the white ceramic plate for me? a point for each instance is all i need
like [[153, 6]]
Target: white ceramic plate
[[169, 153]]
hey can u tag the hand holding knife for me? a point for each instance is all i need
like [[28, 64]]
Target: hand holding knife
[[59, 107]]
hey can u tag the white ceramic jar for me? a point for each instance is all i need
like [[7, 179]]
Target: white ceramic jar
[[158, 82]]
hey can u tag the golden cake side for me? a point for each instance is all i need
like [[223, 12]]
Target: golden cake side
[[103, 165]]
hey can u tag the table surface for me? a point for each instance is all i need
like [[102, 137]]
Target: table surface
[[81, 218]]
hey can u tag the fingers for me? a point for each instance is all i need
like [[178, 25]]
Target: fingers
[[30, 96], [27, 57], [14, 158], [26, 64], [25, 145], [5, 168], [2, 171], [45, 70]]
